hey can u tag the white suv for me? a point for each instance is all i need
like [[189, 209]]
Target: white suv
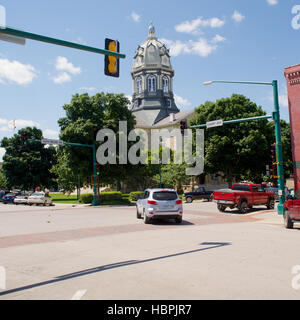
[[159, 203]]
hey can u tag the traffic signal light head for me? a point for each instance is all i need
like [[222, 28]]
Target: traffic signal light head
[[24, 138], [112, 64], [97, 169]]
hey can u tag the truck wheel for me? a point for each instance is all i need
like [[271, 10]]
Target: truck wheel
[[138, 215], [288, 223], [221, 208], [271, 204], [189, 199], [243, 207]]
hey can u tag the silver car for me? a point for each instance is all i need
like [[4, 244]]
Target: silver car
[[40, 198], [159, 203], [21, 200]]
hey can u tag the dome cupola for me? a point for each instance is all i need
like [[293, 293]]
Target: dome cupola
[[152, 75]]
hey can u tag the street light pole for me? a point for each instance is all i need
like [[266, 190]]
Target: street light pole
[[276, 118]]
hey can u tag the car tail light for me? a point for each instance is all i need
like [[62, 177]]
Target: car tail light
[[151, 213], [179, 202], [180, 212], [152, 202]]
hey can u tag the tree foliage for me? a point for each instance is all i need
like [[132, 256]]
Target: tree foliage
[[29, 167], [236, 150], [85, 116]]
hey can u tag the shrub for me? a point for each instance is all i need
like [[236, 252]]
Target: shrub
[[87, 198], [108, 196], [133, 196]]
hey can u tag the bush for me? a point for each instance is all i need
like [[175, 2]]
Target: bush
[[133, 196], [87, 198], [108, 196]]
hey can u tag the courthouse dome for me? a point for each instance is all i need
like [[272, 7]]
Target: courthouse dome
[[152, 53]]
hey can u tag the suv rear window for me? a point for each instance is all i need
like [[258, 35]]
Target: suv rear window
[[165, 195], [241, 187]]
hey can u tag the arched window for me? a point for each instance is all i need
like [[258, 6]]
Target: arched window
[[165, 84], [152, 83], [139, 84]]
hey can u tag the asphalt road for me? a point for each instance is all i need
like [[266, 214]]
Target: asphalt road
[[66, 252]]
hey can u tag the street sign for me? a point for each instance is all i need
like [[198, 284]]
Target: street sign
[[213, 124], [13, 39], [52, 142]]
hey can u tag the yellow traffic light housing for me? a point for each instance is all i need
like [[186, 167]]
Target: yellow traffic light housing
[[112, 64]]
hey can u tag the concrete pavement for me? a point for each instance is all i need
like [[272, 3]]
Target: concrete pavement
[[52, 253]]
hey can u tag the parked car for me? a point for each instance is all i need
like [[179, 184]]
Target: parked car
[[40, 198], [21, 200], [291, 210], [200, 193], [159, 204], [244, 196], [3, 193], [275, 191], [9, 198]]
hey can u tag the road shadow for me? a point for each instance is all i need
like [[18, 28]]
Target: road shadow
[[81, 273], [253, 210], [170, 222]]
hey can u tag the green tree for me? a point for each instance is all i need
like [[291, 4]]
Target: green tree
[[2, 180], [237, 150], [86, 115], [28, 167]]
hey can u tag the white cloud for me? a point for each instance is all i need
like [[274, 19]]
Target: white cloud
[[2, 153], [11, 125], [272, 2], [237, 16], [201, 47], [88, 89], [50, 134], [135, 17], [15, 71], [181, 102], [62, 64], [194, 26], [218, 38], [62, 78], [66, 68]]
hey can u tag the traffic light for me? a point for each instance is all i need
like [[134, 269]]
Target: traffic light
[[112, 64], [97, 169], [274, 163], [183, 126], [273, 154], [24, 138]]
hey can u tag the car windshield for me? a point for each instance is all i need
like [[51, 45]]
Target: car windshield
[[165, 195], [38, 195], [241, 187], [10, 195]]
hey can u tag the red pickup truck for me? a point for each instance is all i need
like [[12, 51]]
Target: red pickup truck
[[291, 210], [244, 196]]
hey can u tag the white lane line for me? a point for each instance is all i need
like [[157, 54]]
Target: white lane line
[[79, 295]]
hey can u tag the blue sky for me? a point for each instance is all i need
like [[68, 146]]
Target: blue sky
[[208, 40]]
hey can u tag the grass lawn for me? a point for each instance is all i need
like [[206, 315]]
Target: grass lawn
[[63, 198]]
